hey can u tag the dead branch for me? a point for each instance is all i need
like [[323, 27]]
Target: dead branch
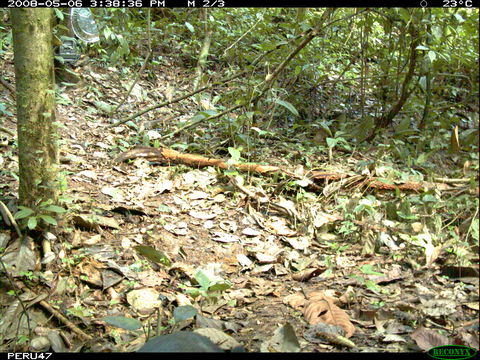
[[180, 98], [9, 87], [166, 156]]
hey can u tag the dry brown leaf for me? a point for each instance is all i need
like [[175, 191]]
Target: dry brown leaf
[[295, 301], [470, 340], [307, 274], [427, 339], [320, 308]]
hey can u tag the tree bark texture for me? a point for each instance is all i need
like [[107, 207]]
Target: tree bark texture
[[35, 89]]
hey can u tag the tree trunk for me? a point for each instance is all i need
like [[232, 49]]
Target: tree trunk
[[35, 88]]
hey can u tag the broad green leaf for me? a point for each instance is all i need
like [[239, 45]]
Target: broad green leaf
[[234, 153], [423, 83], [32, 222], [429, 198], [189, 27], [220, 286], [153, 255], [372, 286], [475, 230], [230, 172], [107, 33], [289, 106], [48, 219], [102, 105], [183, 313], [404, 125], [325, 127], [437, 32], [422, 158], [404, 14], [432, 56], [197, 117], [46, 203], [55, 209], [123, 322], [260, 131], [208, 113], [193, 292], [331, 142], [459, 18], [202, 279], [59, 14], [421, 47], [298, 70], [23, 213]]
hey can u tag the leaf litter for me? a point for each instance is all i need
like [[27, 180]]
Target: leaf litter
[[142, 233]]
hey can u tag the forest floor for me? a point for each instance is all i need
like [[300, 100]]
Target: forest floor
[[137, 233]]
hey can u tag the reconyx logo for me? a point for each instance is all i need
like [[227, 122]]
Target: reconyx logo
[[456, 352]]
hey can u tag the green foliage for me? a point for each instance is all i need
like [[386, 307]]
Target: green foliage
[[28, 275], [209, 287], [44, 213], [80, 312], [4, 111], [5, 39], [153, 255], [183, 313], [123, 322], [323, 77], [369, 269]]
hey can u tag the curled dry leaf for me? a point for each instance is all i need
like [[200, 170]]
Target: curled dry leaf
[[243, 260], [250, 232], [320, 308], [266, 258], [306, 274]]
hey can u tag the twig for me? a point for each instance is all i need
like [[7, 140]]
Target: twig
[[178, 99], [242, 36], [198, 121], [64, 320], [452, 181], [5, 130], [4, 211], [8, 87], [135, 80], [60, 316], [262, 199], [309, 37], [137, 76]]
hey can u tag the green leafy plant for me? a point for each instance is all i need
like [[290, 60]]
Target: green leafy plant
[[42, 214], [22, 339], [368, 269], [332, 142], [210, 287], [80, 312]]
